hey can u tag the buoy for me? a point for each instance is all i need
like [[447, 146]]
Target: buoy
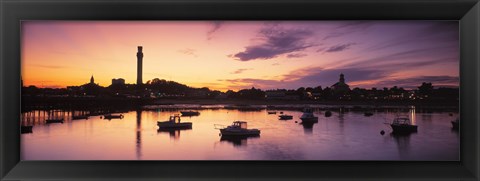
[[382, 132], [328, 114]]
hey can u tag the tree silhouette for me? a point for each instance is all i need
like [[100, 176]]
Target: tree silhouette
[[425, 89]]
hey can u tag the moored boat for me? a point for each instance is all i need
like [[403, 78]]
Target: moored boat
[[113, 116], [403, 125], [328, 113], [239, 128], [174, 122], [190, 113], [285, 117], [272, 112], [455, 124], [308, 116], [26, 129], [367, 114]]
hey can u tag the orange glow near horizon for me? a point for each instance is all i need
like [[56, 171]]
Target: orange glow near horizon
[[218, 55]]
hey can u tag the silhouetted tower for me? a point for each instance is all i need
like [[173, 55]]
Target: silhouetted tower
[[92, 81], [342, 78], [139, 65]]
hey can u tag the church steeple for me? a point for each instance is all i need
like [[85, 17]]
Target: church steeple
[[342, 78], [92, 81]]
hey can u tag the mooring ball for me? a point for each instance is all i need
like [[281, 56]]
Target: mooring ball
[[382, 132]]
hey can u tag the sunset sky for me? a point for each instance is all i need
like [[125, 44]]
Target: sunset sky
[[225, 55]]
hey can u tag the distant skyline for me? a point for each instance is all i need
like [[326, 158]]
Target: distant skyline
[[235, 55]]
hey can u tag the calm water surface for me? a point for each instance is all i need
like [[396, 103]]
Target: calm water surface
[[343, 136]]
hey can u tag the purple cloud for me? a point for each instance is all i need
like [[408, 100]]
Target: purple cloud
[[296, 55], [239, 71], [339, 48], [348, 28], [406, 59], [318, 76], [276, 42], [414, 82], [309, 77], [216, 25], [437, 32]]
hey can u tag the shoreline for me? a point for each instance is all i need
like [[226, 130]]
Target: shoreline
[[300, 102], [113, 103]]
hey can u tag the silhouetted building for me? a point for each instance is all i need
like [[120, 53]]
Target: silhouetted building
[[118, 81], [90, 88], [139, 65], [340, 86], [92, 81]]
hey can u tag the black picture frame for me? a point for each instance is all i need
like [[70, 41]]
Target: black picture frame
[[12, 12]]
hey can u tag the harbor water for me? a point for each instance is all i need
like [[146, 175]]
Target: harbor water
[[346, 135]]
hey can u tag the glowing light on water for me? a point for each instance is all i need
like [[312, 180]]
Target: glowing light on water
[[412, 114]]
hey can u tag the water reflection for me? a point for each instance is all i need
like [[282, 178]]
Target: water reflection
[[238, 141], [413, 116], [403, 143], [454, 130], [138, 137], [308, 127], [139, 134], [173, 132]]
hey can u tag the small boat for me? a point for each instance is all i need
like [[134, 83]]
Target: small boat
[[48, 121], [272, 112], [190, 113], [285, 117], [281, 112], [113, 116], [455, 124], [368, 114], [328, 113], [403, 125], [239, 128], [26, 129], [80, 117], [308, 116], [174, 123]]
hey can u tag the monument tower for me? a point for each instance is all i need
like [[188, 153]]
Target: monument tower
[[139, 65]]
